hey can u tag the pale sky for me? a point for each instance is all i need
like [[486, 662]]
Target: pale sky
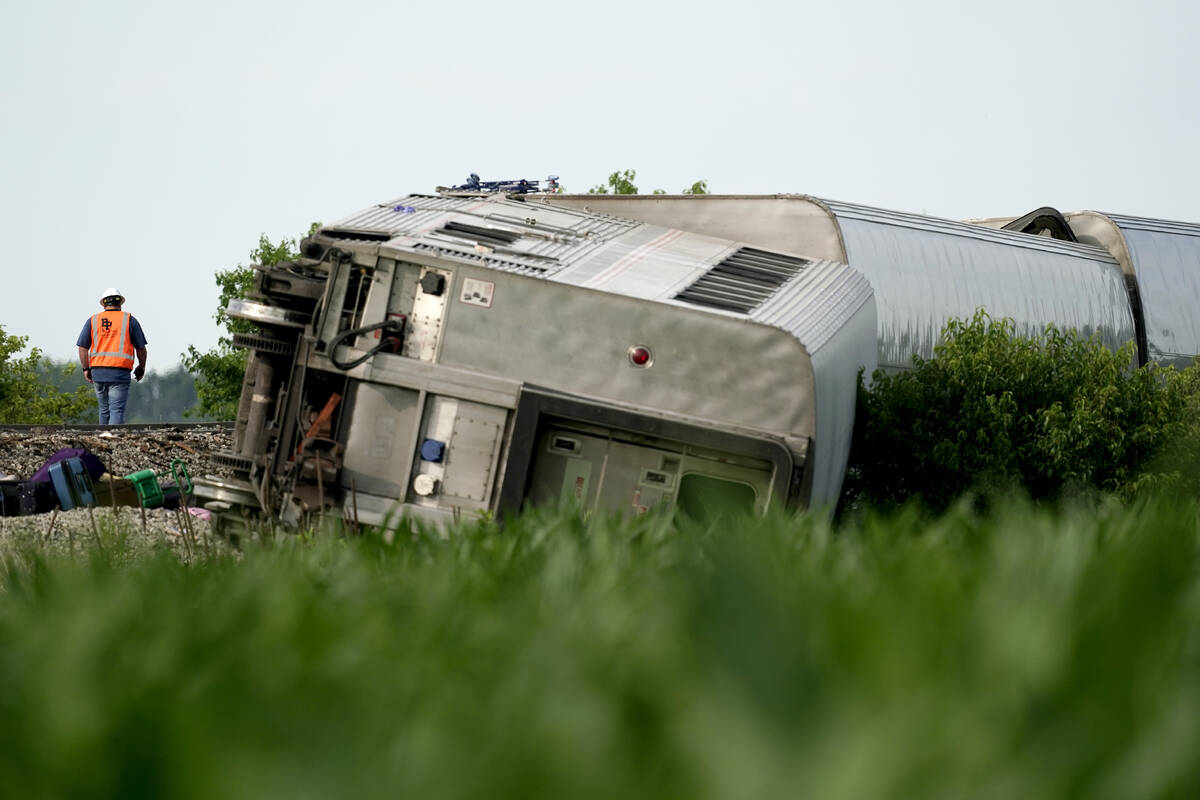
[[147, 144]]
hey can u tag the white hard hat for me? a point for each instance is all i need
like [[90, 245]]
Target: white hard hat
[[111, 292]]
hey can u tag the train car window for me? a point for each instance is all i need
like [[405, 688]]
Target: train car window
[[705, 499]]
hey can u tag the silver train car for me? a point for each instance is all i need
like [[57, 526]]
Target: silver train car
[[475, 353], [1123, 278], [1160, 260]]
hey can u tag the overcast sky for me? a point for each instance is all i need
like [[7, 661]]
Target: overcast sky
[[147, 145]]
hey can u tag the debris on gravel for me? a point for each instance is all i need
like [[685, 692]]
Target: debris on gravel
[[122, 451]]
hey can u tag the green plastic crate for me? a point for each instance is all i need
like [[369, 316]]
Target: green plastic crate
[[148, 491]]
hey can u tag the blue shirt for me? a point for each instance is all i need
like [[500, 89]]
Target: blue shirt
[[112, 374]]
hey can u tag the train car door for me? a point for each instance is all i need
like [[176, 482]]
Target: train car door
[[565, 450]]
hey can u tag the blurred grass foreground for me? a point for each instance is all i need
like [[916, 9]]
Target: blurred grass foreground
[[1035, 653]]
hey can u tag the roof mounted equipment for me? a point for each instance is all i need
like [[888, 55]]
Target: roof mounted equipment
[[518, 186]]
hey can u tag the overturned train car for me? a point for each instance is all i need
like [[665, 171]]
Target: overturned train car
[[1160, 260], [468, 353], [1119, 277]]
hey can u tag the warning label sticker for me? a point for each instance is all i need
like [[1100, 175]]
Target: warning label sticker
[[575, 481], [477, 293]]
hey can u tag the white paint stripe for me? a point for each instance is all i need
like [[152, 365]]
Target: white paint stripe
[[631, 258]]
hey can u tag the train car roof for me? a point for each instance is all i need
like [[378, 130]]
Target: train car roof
[[810, 298]]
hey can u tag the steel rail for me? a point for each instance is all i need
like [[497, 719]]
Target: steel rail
[[131, 426]]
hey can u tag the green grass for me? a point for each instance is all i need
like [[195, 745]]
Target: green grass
[[1036, 653]]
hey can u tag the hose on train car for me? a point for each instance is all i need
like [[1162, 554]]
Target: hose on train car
[[390, 339]]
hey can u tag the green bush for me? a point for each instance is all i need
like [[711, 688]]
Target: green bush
[[219, 371], [1176, 465], [992, 411], [25, 397]]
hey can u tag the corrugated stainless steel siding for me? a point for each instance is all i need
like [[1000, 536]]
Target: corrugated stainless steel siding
[[427, 210], [384, 218], [1127, 221], [946, 227], [540, 249], [925, 271], [815, 304], [1166, 259], [830, 309]]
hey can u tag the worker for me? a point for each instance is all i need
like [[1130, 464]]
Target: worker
[[107, 345]]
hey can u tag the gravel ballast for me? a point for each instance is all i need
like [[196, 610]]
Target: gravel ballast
[[123, 451]]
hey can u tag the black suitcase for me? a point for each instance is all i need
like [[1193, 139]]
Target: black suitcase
[[21, 498]]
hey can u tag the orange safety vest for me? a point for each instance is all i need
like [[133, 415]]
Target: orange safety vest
[[112, 345]]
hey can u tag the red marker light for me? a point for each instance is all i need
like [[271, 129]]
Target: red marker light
[[640, 356]]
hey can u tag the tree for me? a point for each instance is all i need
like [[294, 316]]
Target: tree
[[619, 182], [219, 372], [159, 397], [163, 397], [623, 183], [26, 398], [991, 411]]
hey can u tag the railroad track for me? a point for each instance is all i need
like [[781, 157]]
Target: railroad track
[[199, 427]]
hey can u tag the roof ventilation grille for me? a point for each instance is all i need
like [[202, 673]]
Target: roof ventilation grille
[[352, 235], [477, 233], [743, 281], [502, 264]]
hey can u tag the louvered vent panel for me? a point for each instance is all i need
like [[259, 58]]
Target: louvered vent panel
[[491, 236], [348, 235], [743, 281], [504, 265]]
